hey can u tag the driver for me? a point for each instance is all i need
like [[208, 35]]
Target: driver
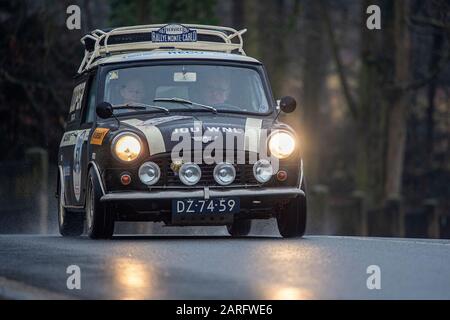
[[132, 91], [216, 90]]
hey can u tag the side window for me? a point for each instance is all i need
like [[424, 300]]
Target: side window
[[76, 102], [89, 111]]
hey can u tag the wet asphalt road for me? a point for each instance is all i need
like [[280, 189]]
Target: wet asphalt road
[[218, 267]]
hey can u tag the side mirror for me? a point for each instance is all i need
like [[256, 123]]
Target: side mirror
[[104, 110], [288, 104]]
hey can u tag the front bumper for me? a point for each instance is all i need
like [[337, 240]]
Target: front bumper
[[205, 193], [156, 205]]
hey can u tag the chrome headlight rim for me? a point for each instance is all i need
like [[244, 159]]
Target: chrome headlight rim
[[158, 171], [183, 178], [220, 166], [278, 131], [255, 167], [114, 142]]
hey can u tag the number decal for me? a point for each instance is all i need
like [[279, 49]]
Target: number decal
[[77, 163], [231, 204], [189, 210], [222, 206], [180, 206], [202, 202]]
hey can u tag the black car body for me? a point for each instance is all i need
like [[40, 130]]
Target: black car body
[[101, 181]]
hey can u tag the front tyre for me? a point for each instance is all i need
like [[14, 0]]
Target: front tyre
[[240, 228], [71, 224], [292, 222], [99, 221]]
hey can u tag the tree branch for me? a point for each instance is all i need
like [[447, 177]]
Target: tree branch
[[338, 60], [427, 21], [414, 85], [28, 86], [425, 80]]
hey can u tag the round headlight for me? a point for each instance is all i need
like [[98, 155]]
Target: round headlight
[[149, 173], [127, 147], [224, 173], [281, 144], [190, 174], [262, 170]]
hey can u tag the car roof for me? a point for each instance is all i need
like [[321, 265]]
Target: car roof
[[173, 55]]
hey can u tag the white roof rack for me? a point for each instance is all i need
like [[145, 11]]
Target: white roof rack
[[98, 43]]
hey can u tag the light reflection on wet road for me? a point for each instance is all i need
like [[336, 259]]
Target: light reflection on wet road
[[216, 267]]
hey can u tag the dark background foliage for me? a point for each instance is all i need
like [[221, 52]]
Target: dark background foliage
[[374, 110]]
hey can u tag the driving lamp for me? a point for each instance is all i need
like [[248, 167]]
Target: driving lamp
[[262, 170], [149, 173], [190, 174], [127, 147], [281, 144], [224, 173]]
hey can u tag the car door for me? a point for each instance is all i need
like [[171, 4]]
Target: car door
[[82, 152], [69, 141]]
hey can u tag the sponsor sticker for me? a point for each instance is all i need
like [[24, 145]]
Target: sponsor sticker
[[113, 75], [77, 157], [99, 135], [67, 171], [77, 97]]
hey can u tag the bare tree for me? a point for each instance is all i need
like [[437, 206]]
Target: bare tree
[[381, 106]]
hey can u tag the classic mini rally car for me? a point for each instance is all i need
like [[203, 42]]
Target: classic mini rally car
[[175, 124]]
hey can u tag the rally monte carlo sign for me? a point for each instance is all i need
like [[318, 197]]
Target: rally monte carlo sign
[[174, 33]]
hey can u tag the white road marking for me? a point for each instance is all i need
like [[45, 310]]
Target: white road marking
[[435, 242]]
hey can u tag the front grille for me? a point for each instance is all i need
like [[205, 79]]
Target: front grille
[[244, 174]]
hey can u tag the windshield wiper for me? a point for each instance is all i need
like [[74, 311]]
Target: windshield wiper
[[139, 106], [185, 101]]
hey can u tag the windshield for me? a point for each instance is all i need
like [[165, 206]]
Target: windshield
[[192, 87]]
